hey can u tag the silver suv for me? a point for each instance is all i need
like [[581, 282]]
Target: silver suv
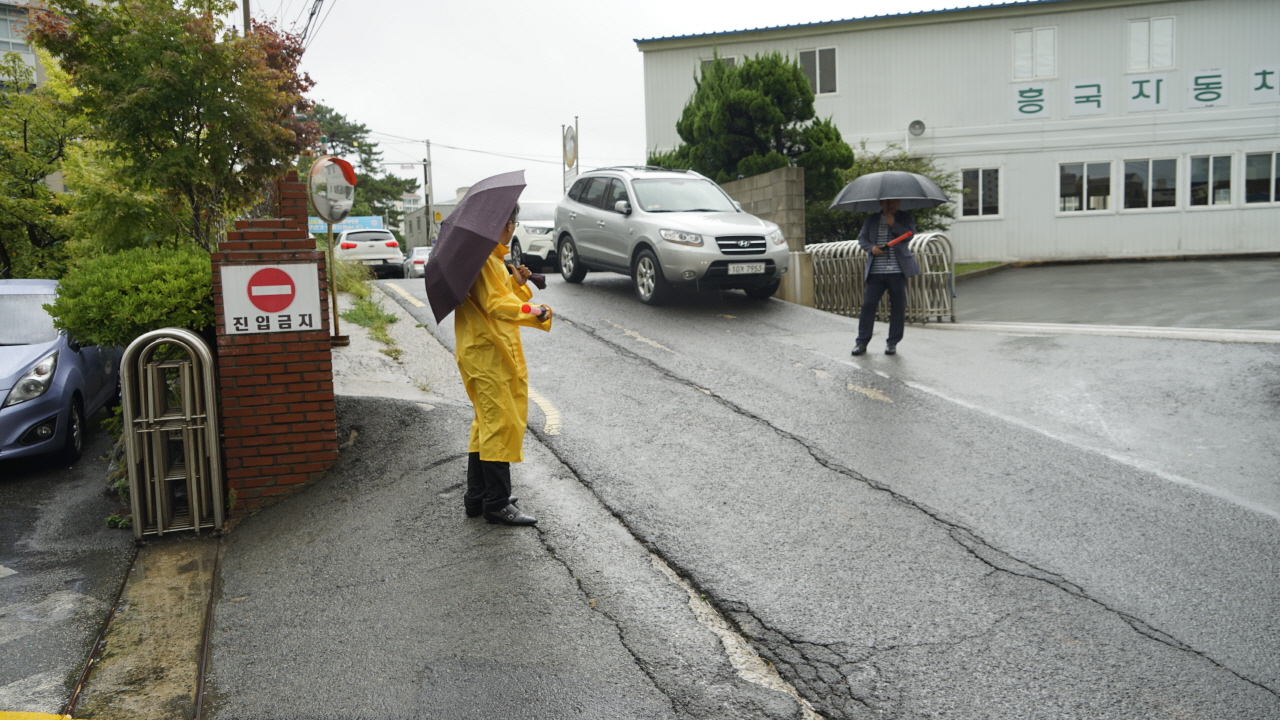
[[665, 227]]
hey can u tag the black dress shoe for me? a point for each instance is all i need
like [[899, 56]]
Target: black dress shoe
[[510, 515], [477, 509], [859, 349], [890, 349]]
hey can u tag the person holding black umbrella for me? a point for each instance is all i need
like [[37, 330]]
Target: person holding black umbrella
[[883, 237], [886, 271], [466, 272]]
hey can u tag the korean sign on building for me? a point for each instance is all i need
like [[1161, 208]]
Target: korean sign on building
[[271, 298], [1144, 92], [1264, 84]]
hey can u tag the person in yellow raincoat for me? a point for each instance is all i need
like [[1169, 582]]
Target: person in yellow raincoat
[[490, 357]]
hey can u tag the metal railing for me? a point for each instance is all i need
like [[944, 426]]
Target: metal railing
[[171, 427], [838, 279]]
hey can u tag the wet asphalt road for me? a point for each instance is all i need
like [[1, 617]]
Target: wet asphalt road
[[990, 524], [60, 570]]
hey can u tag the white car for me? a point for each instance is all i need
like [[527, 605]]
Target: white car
[[416, 262], [533, 244], [377, 249]]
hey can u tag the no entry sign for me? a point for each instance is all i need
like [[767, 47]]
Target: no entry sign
[[271, 290], [271, 298]]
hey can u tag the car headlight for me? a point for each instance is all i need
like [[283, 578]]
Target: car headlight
[[35, 383], [681, 237], [776, 237], [537, 231]]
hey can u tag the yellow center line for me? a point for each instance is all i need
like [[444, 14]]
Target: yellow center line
[[549, 413], [405, 294]]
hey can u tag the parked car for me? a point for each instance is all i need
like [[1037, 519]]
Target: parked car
[[415, 262], [49, 382], [378, 249], [663, 228], [533, 243]]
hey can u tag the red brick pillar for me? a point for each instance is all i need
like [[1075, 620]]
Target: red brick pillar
[[275, 371]]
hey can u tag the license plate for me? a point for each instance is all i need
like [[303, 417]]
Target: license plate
[[746, 268], [374, 262]]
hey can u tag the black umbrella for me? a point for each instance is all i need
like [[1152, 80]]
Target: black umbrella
[[467, 238], [865, 193]]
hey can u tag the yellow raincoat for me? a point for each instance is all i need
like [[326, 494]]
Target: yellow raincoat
[[491, 359]]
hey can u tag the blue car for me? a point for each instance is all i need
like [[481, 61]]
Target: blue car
[[49, 383]]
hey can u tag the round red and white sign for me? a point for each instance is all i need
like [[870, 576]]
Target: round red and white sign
[[271, 290]]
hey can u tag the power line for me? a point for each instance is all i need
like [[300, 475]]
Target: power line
[[462, 149], [322, 22]]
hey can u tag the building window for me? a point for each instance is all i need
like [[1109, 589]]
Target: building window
[[1084, 187], [1034, 54], [1150, 183], [1262, 178], [1211, 180], [820, 67], [728, 61], [1151, 44], [981, 192]]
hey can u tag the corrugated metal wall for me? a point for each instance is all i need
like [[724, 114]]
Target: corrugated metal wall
[[955, 75]]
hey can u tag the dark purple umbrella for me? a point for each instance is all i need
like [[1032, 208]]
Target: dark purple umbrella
[[467, 238], [865, 193]]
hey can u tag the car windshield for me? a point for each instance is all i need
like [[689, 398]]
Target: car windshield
[[421, 251], [25, 321], [537, 212], [681, 195]]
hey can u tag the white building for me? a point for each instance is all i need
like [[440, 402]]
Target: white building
[[13, 21], [1082, 128], [407, 203]]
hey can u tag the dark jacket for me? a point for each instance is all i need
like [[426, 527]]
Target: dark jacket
[[902, 222]]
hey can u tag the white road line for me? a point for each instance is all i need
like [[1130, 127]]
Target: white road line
[[6, 572], [641, 338], [1116, 456], [549, 413]]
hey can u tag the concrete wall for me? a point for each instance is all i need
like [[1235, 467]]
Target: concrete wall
[[778, 196]]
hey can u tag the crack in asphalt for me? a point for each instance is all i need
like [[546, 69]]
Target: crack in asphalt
[[617, 624], [596, 607], [966, 538]]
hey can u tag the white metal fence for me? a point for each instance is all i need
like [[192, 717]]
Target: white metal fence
[[838, 284]]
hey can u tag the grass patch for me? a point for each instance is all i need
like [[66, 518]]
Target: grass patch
[[370, 313], [962, 268]]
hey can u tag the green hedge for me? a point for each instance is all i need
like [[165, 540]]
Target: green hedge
[[111, 299]]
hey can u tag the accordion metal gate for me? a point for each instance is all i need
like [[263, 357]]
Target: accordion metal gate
[[838, 279], [171, 425]]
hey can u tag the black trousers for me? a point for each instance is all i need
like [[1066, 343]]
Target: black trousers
[[877, 284], [488, 483]]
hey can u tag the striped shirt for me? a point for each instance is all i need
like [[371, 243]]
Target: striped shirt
[[887, 263]]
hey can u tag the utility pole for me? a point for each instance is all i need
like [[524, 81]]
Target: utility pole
[[426, 192], [246, 18]]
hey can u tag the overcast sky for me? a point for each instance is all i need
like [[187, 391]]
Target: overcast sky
[[503, 76]]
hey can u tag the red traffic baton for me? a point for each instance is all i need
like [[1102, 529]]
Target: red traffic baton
[[899, 239]]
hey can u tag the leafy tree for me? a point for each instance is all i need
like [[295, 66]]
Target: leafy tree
[[823, 225], [376, 190], [36, 133], [203, 117], [748, 120]]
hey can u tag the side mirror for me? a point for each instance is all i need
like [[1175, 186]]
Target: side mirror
[[623, 207]]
